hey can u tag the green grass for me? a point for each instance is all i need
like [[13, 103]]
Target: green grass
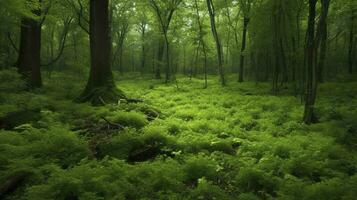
[[185, 142]]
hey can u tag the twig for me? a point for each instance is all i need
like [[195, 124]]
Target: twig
[[113, 124]]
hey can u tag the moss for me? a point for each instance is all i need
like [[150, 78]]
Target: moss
[[217, 143], [129, 119]]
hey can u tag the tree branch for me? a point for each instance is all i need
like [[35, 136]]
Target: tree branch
[[67, 24]]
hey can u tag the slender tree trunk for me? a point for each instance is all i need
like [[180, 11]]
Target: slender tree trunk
[[203, 44], [293, 61], [285, 75], [29, 60], [205, 64], [143, 48], [100, 87], [277, 52], [121, 49], [311, 81], [217, 40], [168, 67], [195, 62], [244, 43], [160, 56]]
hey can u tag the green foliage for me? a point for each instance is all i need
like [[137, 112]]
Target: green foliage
[[129, 119], [256, 181], [177, 144]]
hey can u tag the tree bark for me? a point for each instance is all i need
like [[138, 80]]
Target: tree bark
[[211, 11], [200, 27], [323, 39], [277, 52], [143, 47], [244, 44], [29, 60], [100, 87], [311, 81], [160, 57]]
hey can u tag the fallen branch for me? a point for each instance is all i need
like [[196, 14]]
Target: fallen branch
[[115, 125]]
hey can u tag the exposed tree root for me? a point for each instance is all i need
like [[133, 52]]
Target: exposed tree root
[[100, 96]]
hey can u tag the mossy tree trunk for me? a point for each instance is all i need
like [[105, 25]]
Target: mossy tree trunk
[[101, 88]]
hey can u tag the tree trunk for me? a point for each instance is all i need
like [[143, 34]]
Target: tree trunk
[[244, 44], [160, 57], [277, 53], [323, 38], [100, 87], [29, 60], [205, 64], [143, 49], [203, 43], [311, 81], [167, 68], [285, 75], [217, 40]]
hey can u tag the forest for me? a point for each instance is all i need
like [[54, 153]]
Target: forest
[[178, 99]]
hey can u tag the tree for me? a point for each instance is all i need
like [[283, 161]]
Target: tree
[[311, 82], [29, 59], [142, 28], [322, 38], [202, 41], [164, 10], [100, 88], [351, 44], [212, 14], [245, 6], [121, 12]]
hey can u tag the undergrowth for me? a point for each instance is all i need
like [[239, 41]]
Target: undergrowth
[[184, 142]]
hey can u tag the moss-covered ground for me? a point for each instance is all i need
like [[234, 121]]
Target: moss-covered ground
[[182, 142]]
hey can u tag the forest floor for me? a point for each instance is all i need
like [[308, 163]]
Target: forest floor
[[182, 142]]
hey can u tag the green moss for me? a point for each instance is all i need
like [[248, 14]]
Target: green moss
[[216, 143], [129, 119]]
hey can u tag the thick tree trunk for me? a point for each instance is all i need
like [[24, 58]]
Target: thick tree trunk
[[217, 40], [311, 81], [100, 87], [244, 44], [29, 60]]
